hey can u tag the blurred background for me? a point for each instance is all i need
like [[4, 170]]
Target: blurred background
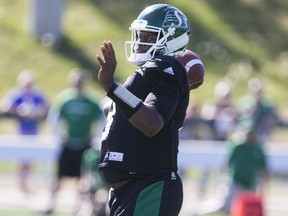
[[238, 41]]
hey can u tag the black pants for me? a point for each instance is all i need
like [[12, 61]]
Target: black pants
[[152, 196], [69, 162]]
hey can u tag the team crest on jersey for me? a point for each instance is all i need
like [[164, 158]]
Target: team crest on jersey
[[175, 18]]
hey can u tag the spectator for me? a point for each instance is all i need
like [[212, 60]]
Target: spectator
[[257, 108], [221, 113], [28, 106], [247, 166], [72, 117], [94, 189], [192, 123]]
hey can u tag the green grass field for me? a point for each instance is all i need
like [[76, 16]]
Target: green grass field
[[236, 41]]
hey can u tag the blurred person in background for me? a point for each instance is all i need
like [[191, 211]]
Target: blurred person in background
[[221, 113], [27, 104], [94, 190], [192, 123], [74, 116], [257, 108], [247, 165]]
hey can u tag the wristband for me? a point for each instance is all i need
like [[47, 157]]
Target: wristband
[[125, 101]]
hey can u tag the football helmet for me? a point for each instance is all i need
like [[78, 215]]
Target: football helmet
[[167, 22]]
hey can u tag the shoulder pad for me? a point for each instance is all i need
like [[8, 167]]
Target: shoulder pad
[[166, 64]]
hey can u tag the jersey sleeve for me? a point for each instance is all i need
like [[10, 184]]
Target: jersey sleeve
[[166, 80]]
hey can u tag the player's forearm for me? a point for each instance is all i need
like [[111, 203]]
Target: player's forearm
[[148, 120], [143, 116]]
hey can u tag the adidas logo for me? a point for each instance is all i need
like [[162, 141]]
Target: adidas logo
[[173, 176], [169, 70]]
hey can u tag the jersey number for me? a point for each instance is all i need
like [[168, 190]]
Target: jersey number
[[109, 121]]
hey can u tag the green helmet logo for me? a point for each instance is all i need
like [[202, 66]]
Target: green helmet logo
[[175, 18]]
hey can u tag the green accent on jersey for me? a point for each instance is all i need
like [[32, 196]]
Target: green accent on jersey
[[149, 200]]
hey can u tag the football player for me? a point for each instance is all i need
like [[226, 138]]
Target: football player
[[140, 139]]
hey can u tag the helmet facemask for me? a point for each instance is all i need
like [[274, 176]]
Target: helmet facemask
[[170, 27], [157, 48]]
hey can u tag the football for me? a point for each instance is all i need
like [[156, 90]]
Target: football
[[194, 68]]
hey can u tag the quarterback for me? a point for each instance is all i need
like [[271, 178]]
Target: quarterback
[[140, 140]]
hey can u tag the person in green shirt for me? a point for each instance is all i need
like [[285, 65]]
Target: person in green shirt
[[247, 166], [94, 189], [257, 107], [72, 118]]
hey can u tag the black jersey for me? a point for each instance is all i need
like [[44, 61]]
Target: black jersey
[[162, 82]]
